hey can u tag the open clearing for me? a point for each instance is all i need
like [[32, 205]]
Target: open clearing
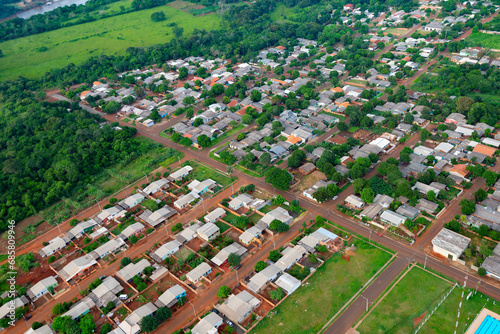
[[107, 36], [485, 40], [328, 289]]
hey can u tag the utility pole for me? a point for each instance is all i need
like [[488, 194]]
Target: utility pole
[[59, 227], [425, 262], [370, 236], [99, 204], [194, 310], [147, 178], [366, 302], [237, 279]]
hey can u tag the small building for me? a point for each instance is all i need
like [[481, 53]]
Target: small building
[[215, 215], [189, 233], [81, 228], [239, 201], [208, 325], [113, 246], [393, 218], [159, 216], [54, 245], [131, 201], [290, 256], [408, 211], [77, 267], [307, 168], [372, 211], [46, 329], [288, 283], [134, 229], [129, 271], [354, 202], [155, 186], [170, 297], [106, 292], [258, 281], [202, 187], [80, 309], [321, 237], [450, 244], [221, 257], [166, 250], [202, 270], [132, 324], [279, 213], [384, 200], [13, 304], [42, 287], [427, 206], [208, 232], [250, 235], [238, 307], [180, 174], [186, 199]]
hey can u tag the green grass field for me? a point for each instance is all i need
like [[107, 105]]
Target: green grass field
[[329, 288], [408, 300], [202, 172], [283, 13], [107, 36], [485, 40]]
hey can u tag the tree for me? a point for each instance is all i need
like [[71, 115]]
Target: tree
[[404, 157], [278, 178], [224, 292], [295, 160], [431, 195], [178, 31], [483, 230], [490, 177], [65, 325], [274, 255], [358, 185], [464, 103], [106, 328], [204, 141], [265, 158], [247, 119], [277, 294], [128, 99], [424, 135], [60, 308], [149, 324], [255, 95], [86, 324], [278, 200], [158, 16], [261, 265], [36, 325], [481, 272], [176, 137], [139, 91], [125, 261], [242, 222], [480, 195], [183, 73], [234, 259], [367, 195], [163, 313], [342, 126], [467, 207]]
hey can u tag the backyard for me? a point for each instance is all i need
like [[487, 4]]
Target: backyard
[[201, 172], [327, 291]]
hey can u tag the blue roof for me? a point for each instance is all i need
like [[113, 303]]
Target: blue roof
[[327, 233], [489, 325]]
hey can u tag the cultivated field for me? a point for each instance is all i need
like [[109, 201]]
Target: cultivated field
[[25, 56], [485, 40], [328, 289]]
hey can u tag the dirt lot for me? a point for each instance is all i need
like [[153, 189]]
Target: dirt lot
[[36, 274], [195, 244], [309, 180], [233, 234]]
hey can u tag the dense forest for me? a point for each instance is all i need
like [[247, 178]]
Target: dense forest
[[48, 150]]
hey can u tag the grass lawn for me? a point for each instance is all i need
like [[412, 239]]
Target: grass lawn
[[222, 227], [443, 320], [485, 40], [227, 134], [353, 129], [409, 299], [202, 172], [268, 208], [396, 31], [283, 13], [230, 218], [330, 287], [246, 171], [255, 218], [107, 36]]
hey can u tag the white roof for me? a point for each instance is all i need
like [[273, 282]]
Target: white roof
[[423, 150], [234, 248], [168, 296], [380, 142], [130, 230], [181, 172], [241, 199], [444, 147], [154, 186], [132, 323], [208, 325], [207, 230], [392, 217], [292, 256], [110, 246], [354, 200], [288, 283], [132, 269], [41, 286], [167, 248], [198, 272], [237, 307], [490, 141], [215, 214], [76, 266], [54, 245], [42, 330], [261, 278], [451, 241], [83, 306]]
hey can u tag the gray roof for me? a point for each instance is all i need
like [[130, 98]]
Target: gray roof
[[132, 269], [408, 211], [238, 307], [260, 279], [208, 325], [451, 241]]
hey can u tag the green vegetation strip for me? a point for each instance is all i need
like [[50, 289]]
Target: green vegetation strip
[[328, 289]]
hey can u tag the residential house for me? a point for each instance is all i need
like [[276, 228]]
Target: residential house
[[408, 211], [134, 229], [321, 237], [42, 287], [128, 272], [288, 283], [393, 218], [132, 324], [170, 297], [427, 206], [165, 250], [186, 199], [106, 292], [81, 228], [279, 213], [46, 329], [197, 273], [79, 309], [310, 192], [215, 215], [250, 235], [54, 245], [221, 257], [113, 246], [77, 267], [188, 233], [239, 201], [208, 325], [372, 211], [307, 168], [13, 304], [238, 307], [155, 186], [450, 244], [131, 201], [180, 174], [290, 256], [354, 202], [208, 232], [159, 216]]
